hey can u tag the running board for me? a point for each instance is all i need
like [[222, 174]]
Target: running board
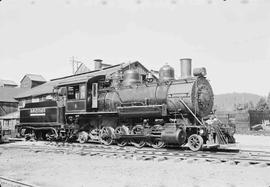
[[211, 146]]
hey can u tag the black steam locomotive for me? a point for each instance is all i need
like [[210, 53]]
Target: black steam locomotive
[[127, 106]]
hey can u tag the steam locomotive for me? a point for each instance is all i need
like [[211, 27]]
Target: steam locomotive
[[129, 106]]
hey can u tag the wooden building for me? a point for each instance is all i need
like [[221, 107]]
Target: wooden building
[[7, 102], [8, 126], [46, 91], [244, 120], [32, 80]]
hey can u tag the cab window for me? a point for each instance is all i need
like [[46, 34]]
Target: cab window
[[73, 92], [76, 92]]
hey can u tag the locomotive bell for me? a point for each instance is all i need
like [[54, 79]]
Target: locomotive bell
[[149, 77], [131, 77], [166, 73]]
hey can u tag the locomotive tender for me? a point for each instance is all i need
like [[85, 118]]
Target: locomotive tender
[[130, 107]]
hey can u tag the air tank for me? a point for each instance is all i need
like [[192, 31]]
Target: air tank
[[166, 73]]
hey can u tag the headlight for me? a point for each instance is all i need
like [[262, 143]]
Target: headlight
[[202, 131]]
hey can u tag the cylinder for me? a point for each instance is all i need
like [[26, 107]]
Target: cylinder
[[98, 64], [185, 68], [172, 135]]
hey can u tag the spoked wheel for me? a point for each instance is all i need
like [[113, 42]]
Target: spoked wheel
[[157, 143], [106, 135], [195, 142], [83, 137], [121, 130], [138, 129], [29, 135]]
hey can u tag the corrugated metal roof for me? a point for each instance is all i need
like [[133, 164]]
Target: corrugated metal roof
[[43, 89], [47, 88], [7, 82], [35, 77], [85, 76], [8, 94]]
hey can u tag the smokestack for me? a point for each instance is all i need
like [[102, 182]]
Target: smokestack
[[98, 64], [185, 67]]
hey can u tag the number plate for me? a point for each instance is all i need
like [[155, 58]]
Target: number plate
[[37, 112]]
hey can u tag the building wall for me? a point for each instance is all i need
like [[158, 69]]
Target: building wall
[[6, 108], [244, 120], [8, 126], [257, 117], [26, 82]]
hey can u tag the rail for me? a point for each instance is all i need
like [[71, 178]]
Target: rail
[[4, 182]]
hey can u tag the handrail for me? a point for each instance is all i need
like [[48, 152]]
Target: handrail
[[182, 101]]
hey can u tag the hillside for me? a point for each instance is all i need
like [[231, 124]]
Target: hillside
[[228, 101]]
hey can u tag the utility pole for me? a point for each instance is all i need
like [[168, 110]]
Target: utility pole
[[75, 64]]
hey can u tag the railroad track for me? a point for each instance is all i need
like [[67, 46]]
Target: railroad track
[[244, 158], [7, 182]]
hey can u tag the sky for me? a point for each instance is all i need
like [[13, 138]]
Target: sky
[[230, 38]]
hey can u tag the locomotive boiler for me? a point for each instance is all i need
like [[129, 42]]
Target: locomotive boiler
[[131, 106]]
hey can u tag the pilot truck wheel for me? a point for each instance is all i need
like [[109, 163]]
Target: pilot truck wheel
[[195, 142], [83, 137]]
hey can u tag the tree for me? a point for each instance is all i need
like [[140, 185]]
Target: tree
[[250, 105], [262, 104], [268, 100]]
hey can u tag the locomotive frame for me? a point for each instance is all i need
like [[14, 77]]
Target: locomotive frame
[[135, 108]]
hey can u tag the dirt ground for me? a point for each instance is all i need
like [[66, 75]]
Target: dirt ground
[[52, 169]]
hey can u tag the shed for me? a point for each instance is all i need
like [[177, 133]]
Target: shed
[[32, 80], [7, 102], [8, 123]]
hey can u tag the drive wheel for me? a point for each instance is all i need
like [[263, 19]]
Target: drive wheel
[[138, 129], [157, 143], [83, 137], [121, 130], [106, 135], [195, 142]]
